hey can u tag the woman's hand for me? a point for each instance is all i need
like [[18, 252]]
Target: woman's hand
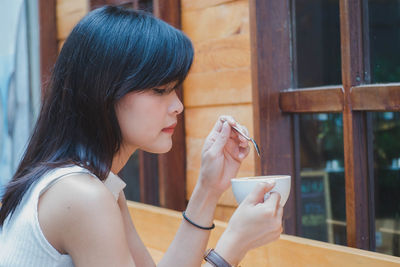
[[255, 223], [223, 152]]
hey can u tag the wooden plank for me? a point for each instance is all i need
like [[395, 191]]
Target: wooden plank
[[188, 5], [69, 13], [219, 54], [217, 22], [195, 146], [376, 97], [218, 88], [172, 165], [224, 213], [156, 254], [354, 126], [157, 227], [271, 73], [48, 40], [201, 120], [319, 99], [60, 45]]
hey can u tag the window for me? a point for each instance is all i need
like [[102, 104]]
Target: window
[[326, 97]]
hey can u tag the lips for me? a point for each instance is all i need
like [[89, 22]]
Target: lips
[[169, 129]]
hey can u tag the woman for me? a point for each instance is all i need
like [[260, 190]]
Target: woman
[[113, 91]]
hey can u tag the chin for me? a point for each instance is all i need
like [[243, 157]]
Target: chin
[[158, 149]]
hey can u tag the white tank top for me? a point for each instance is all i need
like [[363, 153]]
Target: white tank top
[[22, 242]]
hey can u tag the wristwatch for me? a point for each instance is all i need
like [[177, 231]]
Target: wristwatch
[[215, 259]]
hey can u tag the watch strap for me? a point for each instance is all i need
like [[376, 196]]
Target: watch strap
[[212, 257]]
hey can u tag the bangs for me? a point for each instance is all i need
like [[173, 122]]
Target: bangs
[[174, 59], [161, 55]]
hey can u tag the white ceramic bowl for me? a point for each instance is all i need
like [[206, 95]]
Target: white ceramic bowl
[[241, 187]]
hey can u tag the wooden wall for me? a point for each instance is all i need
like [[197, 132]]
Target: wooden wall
[[219, 81], [68, 13]]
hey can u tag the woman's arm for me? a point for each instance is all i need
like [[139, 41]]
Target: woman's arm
[[222, 155], [221, 158], [254, 223], [138, 250], [189, 244]]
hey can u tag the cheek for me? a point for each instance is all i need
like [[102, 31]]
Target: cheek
[[139, 124]]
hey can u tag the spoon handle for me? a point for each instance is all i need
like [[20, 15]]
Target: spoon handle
[[237, 129], [240, 132]]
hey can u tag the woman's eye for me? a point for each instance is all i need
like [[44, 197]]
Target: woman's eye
[[161, 91]]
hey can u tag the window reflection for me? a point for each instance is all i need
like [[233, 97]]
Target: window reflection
[[130, 175], [317, 42], [386, 126], [323, 207], [384, 37]]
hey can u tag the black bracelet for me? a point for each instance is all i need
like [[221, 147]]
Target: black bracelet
[[195, 224]]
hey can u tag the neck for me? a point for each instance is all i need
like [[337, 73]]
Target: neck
[[120, 159]]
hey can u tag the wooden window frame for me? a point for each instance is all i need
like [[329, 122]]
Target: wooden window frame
[[276, 106]]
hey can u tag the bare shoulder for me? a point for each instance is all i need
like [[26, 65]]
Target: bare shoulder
[[70, 192], [75, 195], [79, 216]]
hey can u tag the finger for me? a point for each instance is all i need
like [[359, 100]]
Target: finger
[[257, 195], [245, 130], [212, 135], [279, 212], [217, 126], [222, 137], [243, 143], [272, 202], [243, 152], [238, 138], [229, 119]]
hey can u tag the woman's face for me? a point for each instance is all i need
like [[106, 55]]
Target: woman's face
[[147, 119]]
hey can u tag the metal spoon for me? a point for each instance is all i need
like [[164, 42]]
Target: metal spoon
[[237, 129]]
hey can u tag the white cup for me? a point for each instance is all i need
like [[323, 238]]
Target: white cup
[[241, 187]]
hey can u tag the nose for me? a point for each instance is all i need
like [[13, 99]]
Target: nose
[[176, 104]]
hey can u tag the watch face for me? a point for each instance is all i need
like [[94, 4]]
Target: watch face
[[215, 259]]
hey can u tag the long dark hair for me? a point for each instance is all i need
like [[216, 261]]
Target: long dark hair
[[112, 51]]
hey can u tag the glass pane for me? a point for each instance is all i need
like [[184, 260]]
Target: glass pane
[[323, 203], [146, 5], [384, 36], [130, 175], [317, 42], [386, 127]]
